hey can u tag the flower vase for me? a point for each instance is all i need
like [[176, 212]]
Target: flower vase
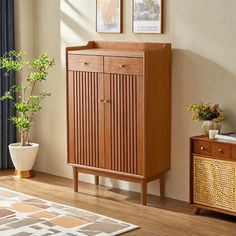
[[207, 125], [217, 126]]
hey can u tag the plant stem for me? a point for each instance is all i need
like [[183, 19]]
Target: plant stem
[[23, 139], [27, 136]]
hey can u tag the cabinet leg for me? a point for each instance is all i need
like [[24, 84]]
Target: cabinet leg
[[75, 178], [162, 185], [144, 193], [196, 211], [96, 180]]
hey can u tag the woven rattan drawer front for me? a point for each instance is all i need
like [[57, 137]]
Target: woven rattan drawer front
[[202, 147], [214, 183], [220, 150]]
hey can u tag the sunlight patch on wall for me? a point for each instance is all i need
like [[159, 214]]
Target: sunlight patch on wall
[[75, 26]]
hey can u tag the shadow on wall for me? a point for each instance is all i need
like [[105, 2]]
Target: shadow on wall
[[84, 33], [80, 13]]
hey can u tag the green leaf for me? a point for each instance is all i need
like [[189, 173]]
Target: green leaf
[[22, 107], [21, 123], [42, 63], [7, 95], [37, 76], [12, 60]]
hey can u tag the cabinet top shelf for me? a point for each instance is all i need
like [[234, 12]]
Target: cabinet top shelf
[[109, 48]]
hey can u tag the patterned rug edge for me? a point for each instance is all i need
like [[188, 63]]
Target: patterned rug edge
[[128, 229]]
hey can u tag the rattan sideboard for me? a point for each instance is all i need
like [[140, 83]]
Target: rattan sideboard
[[213, 175]]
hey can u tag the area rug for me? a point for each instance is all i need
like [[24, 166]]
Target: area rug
[[23, 215]]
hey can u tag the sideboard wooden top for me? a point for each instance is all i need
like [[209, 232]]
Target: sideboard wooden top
[[205, 138]]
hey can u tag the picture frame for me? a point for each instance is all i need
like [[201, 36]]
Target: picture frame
[[109, 16], [147, 16]]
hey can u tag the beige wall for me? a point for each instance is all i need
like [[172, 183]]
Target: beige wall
[[203, 37], [24, 28]]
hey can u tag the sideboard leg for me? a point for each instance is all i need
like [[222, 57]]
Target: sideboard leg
[[196, 211], [96, 180], [144, 193], [75, 179], [162, 185]]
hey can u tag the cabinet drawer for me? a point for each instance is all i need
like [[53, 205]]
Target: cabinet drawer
[[220, 150], [201, 147], [123, 65], [85, 63], [233, 152]]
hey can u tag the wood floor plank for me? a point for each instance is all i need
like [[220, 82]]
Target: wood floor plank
[[159, 218]]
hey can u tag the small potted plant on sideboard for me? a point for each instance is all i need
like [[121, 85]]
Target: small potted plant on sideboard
[[210, 115], [27, 102]]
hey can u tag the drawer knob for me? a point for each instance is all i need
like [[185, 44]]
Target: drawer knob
[[122, 66], [220, 150], [202, 148], [85, 63]]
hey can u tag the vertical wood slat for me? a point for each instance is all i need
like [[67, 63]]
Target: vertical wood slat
[[125, 124], [118, 122], [115, 157], [71, 128], [135, 126], [84, 118], [77, 105], [75, 116], [96, 120], [121, 121], [128, 125], [92, 120], [89, 119], [112, 121], [131, 125], [80, 118], [107, 119], [100, 121]]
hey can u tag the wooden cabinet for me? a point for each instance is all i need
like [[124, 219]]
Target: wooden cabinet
[[213, 175], [119, 111]]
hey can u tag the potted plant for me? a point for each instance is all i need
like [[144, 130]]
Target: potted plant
[[26, 102], [211, 115]]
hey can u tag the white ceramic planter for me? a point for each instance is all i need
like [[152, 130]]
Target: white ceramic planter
[[23, 157]]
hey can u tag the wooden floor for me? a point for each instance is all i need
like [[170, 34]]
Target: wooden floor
[[160, 217]]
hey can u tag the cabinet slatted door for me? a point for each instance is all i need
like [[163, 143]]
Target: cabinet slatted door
[[85, 118], [123, 126]]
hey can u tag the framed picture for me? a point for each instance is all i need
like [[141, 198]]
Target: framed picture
[[147, 16], [109, 16]]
